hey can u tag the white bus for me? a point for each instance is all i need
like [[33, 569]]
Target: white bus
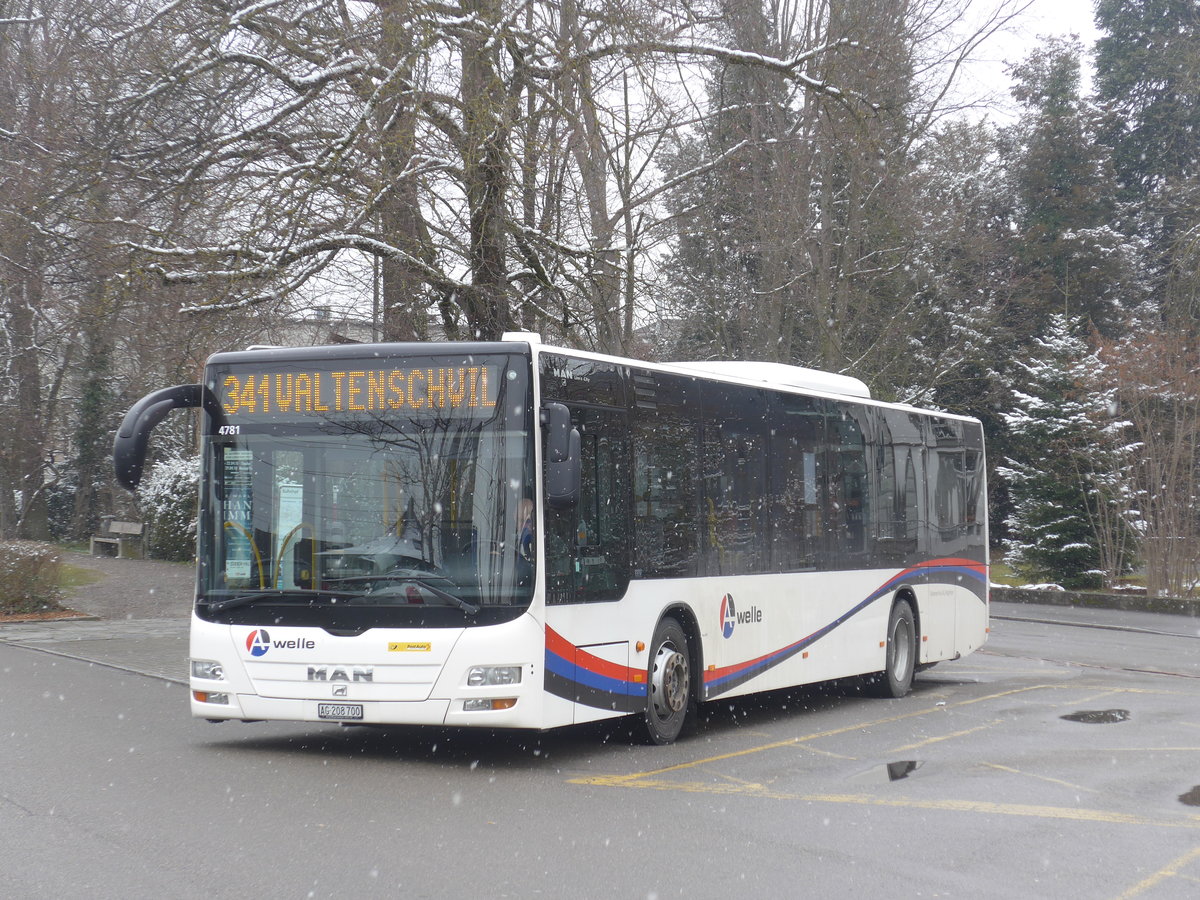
[[508, 534]]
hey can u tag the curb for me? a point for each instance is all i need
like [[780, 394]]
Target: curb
[[1178, 606]]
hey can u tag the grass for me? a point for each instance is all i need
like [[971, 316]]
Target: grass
[[1003, 573], [70, 577], [1009, 576]]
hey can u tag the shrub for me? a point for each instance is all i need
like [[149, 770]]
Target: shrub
[[167, 504], [29, 574]]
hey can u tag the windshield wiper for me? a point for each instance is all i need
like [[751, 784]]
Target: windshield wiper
[[281, 594], [453, 599], [469, 608], [422, 580]]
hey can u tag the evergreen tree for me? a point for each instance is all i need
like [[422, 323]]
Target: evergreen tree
[[1147, 77], [1070, 258], [167, 501], [1066, 474], [1148, 82]]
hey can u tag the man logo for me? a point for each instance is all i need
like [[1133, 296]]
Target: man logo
[[258, 642], [728, 615]]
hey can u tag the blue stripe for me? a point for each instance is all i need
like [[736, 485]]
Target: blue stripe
[[593, 680]]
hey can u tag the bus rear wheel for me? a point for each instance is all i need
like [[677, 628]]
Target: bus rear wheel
[[669, 683], [901, 656]]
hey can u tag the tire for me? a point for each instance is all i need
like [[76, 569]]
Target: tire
[[669, 697], [901, 656]]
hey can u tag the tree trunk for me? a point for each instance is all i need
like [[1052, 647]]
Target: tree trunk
[[404, 288], [485, 168]]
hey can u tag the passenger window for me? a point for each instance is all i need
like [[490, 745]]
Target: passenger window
[[665, 500], [797, 483], [848, 509], [734, 466]]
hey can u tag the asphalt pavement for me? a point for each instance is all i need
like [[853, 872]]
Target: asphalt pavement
[[135, 618]]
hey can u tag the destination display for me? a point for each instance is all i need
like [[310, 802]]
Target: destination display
[[308, 391]]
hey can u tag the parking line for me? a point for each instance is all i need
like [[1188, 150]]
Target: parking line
[[652, 780], [948, 737], [986, 807], [1170, 870], [1058, 781], [1101, 696], [792, 742]]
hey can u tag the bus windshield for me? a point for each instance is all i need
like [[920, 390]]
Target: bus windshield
[[355, 493]]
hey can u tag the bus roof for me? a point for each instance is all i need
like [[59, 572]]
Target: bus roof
[[781, 374], [772, 373]]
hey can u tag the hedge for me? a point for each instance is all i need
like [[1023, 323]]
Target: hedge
[[29, 577]]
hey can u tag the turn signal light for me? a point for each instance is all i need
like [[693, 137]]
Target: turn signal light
[[483, 704]]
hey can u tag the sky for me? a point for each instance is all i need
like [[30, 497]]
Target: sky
[[1063, 17], [1044, 18]]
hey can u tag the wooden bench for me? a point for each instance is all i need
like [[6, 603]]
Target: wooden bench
[[125, 537]]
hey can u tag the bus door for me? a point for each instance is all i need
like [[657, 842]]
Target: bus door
[[587, 545]]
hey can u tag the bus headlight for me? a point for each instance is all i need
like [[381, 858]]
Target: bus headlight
[[483, 676], [208, 669]]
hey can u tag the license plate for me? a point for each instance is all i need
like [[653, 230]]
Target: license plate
[[340, 711]]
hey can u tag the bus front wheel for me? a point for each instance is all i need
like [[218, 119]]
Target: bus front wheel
[[901, 657], [669, 683]]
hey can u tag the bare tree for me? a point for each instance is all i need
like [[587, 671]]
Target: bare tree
[[488, 157], [43, 140], [1158, 383], [76, 323], [819, 251]]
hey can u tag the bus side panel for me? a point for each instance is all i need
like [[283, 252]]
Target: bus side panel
[[788, 630], [971, 625], [937, 608], [756, 633], [593, 670]]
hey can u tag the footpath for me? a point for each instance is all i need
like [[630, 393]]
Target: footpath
[[136, 618]]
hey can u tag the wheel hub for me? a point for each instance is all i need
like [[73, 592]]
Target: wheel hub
[[669, 681], [901, 647]]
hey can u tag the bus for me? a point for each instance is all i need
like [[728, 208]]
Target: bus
[[513, 535]]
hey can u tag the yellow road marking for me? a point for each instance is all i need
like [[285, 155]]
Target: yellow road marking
[[970, 806], [948, 737], [1100, 696], [1058, 781], [1168, 871], [833, 732], [750, 786], [730, 786]]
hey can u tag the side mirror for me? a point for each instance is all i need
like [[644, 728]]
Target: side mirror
[[563, 466], [129, 445]]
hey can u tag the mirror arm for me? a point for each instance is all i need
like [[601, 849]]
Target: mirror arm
[[129, 443]]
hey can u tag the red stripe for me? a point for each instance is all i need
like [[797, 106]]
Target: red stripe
[[556, 643], [714, 674], [962, 563]]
